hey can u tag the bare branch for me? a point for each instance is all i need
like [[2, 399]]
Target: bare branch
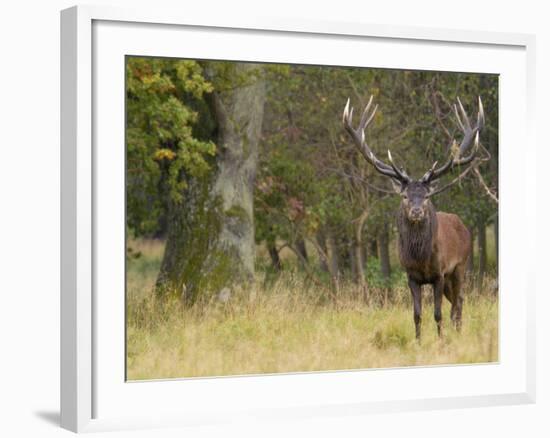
[[481, 180], [454, 181], [362, 180], [438, 114]]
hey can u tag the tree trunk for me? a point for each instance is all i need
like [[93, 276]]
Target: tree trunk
[[334, 262], [359, 252], [365, 253], [359, 263], [495, 231], [372, 249], [301, 248], [210, 243], [321, 241], [470, 265], [384, 257], [384, 252], [274, 255], [163, 191], [359, 274], [482, 248], [344, 256], [353, 261]]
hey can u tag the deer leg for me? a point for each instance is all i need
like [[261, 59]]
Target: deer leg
[[448, 290], [450, 293], [438, 298], [456, 311], [416, 292]]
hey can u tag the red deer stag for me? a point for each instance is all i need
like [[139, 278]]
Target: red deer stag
[[433, 246]]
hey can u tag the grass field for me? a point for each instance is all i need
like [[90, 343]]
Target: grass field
[[288, 325]]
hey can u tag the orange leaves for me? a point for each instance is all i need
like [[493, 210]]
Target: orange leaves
[[164, 154], [296, 209]]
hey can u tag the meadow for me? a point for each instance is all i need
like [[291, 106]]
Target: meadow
[[286, 323]]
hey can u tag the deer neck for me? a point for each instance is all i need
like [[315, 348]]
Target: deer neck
[[416, 239]]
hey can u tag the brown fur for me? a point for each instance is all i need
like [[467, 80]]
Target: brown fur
[[433, 247], [434, 251]]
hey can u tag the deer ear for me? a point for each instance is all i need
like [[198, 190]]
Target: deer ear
[[398, 186]]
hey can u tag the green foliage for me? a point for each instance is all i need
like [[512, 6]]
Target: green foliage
[[226, 76], [376, 280], [162, 151], [310, 179], [286, 199]]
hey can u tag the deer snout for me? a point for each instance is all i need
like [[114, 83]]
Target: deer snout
[[416, 214]]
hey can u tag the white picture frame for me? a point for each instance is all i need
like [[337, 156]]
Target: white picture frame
[[87, 388]]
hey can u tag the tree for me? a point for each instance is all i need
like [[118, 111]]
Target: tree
[[162, 151], [210, 243], [195, 152]]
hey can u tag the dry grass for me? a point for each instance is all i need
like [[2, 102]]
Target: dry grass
[[290, 326]]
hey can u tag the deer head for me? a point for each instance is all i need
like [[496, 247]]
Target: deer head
[[416, 193]]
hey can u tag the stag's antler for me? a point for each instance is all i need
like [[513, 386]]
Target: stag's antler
[[471, 134], [358, 136]]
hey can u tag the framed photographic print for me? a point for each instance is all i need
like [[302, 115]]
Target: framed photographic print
[[275, 219]]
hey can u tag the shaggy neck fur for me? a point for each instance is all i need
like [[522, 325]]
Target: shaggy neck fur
[[416, 239]]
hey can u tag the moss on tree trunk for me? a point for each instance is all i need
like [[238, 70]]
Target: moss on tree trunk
[[210, 242]]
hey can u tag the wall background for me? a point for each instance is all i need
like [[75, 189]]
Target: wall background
[[29, 216]]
